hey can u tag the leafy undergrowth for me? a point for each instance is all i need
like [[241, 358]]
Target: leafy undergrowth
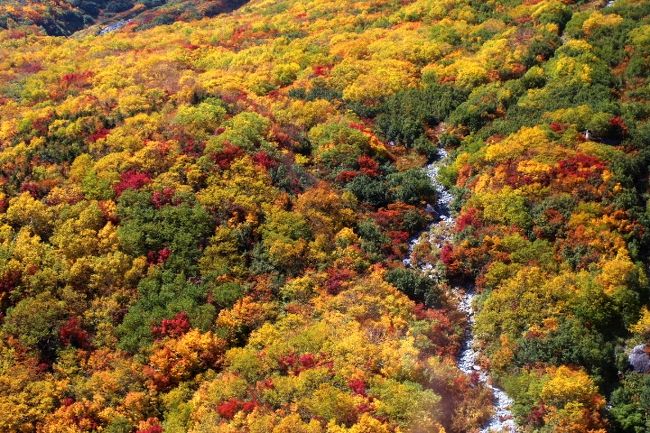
[[203, 223]]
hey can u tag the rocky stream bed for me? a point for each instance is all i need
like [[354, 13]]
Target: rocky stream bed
[[438, 233]]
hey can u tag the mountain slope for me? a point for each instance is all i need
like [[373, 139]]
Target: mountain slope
[[65, 17], [203, 224]]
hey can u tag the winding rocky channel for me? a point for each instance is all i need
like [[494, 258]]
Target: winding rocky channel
[[439, 232]]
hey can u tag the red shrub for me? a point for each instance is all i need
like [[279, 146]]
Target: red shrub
[[336, 279], [263, 159], [517, 70], [158, 257], [249, 406], [229, 408], [515, 178], [447, 254], [368, 166], [162, 198], [536, 415], [308, 360], [346, 176], [174, 327], [226, 156], [388, 218], [365, 407], [296, 363], [554, 216], [9, 280], [190, 46], [581, 166], [322, 70], [16, 34], [76, 79], [443, 333], [493, 75], [131, 179], [42, 124], [191, 147], [282, 135], [358, 126], [39, 189], [468, 218], [523, 19], [152, 427], [233, 97], [398, 236], [32, 188], [238, 35], [99, 134], [288, 362], [358, 386], [70, 333], [420, 311]]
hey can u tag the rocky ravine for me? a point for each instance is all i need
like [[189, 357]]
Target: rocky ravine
[[439, 232]]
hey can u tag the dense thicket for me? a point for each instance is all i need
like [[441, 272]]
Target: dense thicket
[[203, 224]]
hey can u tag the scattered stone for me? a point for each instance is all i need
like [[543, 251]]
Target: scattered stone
[[114, 27], [640, 358]]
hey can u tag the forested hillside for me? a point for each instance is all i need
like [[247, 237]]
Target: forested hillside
[[203, 224]]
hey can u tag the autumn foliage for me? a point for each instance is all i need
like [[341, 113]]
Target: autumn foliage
[[204, 216]]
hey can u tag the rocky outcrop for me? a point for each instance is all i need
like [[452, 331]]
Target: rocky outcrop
[[639, 358]]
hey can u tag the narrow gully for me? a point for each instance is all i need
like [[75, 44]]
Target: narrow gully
[[440, 232]]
